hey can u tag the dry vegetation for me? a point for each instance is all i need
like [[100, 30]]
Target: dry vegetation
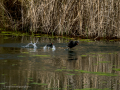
[[84, 18]]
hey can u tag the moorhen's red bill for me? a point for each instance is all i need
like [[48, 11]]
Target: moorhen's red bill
[[72, 44]]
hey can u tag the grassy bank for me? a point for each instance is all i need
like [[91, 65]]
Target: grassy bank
[[83, 18]]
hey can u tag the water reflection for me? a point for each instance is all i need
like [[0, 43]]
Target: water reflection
[[72, 55], [91, 65], [32, 49]]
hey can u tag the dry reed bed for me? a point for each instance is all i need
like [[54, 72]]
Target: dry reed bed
[[85, 18]]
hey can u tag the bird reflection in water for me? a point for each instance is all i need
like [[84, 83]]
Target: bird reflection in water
[[72, 55]]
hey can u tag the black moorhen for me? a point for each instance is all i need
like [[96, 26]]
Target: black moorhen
[[72, 44], [50, 45]]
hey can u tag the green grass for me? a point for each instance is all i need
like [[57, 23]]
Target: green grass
[[93, 89], [83, 71], [63, 67], [30, 78], [104, 61], [3, 83], [56, 88], [69, 70], [116, 69], [39, 83], [41, 55], [14, 33], [25, 52], [14, 64], [83, 55], [14, 84], [5, 60], [70, 74], [86, 40], [20, 56], [37, 36]]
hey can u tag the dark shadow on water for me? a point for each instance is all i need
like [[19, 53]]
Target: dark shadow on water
[[72, 55]]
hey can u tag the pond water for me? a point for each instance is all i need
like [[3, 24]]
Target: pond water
[[91, 65]]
